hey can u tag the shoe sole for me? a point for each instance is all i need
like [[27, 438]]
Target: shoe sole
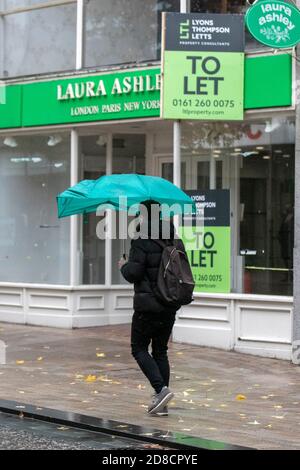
[[160, 414], [162, 404]]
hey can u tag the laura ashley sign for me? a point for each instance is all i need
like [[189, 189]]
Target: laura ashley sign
[[274, 23], [121, 95], [120, 86]]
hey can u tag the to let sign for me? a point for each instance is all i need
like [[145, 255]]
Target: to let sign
[[203, 66]]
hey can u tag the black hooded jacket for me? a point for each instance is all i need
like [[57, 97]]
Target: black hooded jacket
[[142, 270]]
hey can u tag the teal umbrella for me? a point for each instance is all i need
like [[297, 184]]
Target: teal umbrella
[[121, 192]]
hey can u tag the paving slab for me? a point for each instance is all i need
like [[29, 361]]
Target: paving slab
[[224, 396]]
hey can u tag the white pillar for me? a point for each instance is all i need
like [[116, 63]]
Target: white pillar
[[296, 265], [177, 153], [108, 241], [79, 34], [212, 172], [74, 222], [185, 6]]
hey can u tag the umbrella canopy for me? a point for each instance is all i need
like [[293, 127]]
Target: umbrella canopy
[[121, 192]]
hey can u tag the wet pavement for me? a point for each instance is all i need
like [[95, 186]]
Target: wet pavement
[[17, 433], [225, 396]]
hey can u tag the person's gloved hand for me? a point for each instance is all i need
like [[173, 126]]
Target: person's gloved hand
[[122, 261]]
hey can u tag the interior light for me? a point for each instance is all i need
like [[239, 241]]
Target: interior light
[[26, 159], [249, 154], [272, 125], [261, 147], [54, 140], [102, 140], [266, 157], [10, 142]]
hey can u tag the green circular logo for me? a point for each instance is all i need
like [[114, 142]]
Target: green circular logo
[[274, 23]]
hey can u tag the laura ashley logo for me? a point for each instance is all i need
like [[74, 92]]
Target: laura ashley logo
[[102, 87], [276, 13]]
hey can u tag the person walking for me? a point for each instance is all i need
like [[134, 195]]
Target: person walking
[[153, 319]]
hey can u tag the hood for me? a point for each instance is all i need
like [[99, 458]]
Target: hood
[[160, 229]]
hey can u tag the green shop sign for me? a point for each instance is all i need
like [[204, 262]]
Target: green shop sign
[[10, 106], [123, 95], [274, 23], [81, 99]]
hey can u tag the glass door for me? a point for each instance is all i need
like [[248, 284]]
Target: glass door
[[197, 172]]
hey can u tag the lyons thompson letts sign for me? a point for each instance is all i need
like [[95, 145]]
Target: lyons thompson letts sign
[[203, 66]]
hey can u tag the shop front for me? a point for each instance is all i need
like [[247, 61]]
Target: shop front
[[58, 273], [58, 129]]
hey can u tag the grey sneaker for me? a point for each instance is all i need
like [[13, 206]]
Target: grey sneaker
[[163, 412], [160, 400]]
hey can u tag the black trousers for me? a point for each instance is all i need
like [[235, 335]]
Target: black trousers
[[155, 329]]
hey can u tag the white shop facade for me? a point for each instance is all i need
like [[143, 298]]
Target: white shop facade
[[66, 127]]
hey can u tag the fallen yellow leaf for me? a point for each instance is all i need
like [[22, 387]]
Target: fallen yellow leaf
[[90, 378], [40, 358], [100, 354], [240, 397], [20, 362]]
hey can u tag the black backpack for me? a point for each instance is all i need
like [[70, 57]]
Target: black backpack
[[175, 282]]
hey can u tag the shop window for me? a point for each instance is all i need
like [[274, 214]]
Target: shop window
[[123, 32], [93, 155], [34, 243], [128, 157], [227, 6], [256, 161], [267, 219], [37, 41]]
